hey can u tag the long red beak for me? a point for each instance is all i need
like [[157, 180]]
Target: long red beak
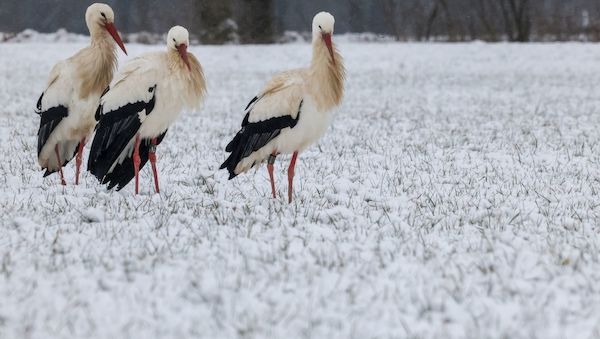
[[327, 39], [182, 49], [113, 32]]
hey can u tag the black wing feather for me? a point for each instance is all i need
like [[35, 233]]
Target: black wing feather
[[114, 132], [122, 174], [38, 106], [50, 118], [253, 136], [98, 114], [248, 106]]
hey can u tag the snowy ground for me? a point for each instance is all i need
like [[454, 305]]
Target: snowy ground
[[455, 196]]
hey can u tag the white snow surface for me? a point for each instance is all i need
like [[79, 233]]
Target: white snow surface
[[454, 196], [61, 35]]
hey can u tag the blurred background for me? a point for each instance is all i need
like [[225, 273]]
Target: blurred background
[[269, 21]]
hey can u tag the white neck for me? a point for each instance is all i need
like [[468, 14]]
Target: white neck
[[101, 38], [326, 78]]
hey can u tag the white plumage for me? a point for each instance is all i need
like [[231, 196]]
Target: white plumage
[[293, 110], [75, 85], [145, 98], [172, 91]]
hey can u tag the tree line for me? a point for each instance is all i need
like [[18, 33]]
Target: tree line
[[265, 21], [493, 20]]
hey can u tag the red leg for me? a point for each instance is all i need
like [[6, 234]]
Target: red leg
[[270, 163], [152, 157], [62, 177], [136, 163], [291, 176], [78, 160]]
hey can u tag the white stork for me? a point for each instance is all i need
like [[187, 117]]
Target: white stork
[[75, 85], [143, 101], [292, 111]]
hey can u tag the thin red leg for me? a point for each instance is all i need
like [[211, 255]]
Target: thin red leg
[[270, 163], [78, 160], [291, 176], [152, 157], [62, 177], [136, 163]]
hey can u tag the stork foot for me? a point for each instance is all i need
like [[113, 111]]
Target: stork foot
[[270, 163], [60, 170], [136, 163], [152, 157], [79, 160], [291, 176]]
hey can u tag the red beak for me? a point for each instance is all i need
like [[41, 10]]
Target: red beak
[[182, 49], [327, 39], [113, 32]]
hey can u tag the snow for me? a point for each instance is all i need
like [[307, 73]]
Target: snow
[[61, 35], [455, 196]]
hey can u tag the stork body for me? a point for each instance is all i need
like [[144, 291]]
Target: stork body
[[75, 85], [145, 98], [293, 111]]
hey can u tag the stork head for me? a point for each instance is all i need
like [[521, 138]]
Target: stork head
[[322, 28], [101, 17], [178, 40]]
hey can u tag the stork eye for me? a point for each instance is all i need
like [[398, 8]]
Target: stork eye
[[103, 15], [320, 27]]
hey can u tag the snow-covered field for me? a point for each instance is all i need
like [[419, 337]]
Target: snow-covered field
[[455, 196]]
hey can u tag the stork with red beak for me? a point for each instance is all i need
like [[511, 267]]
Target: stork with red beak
[[292, 111], [143, 101], [75, 85]]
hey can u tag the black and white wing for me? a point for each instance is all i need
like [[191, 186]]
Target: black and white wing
[[52, 107], [278, 107], [121, 113]]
